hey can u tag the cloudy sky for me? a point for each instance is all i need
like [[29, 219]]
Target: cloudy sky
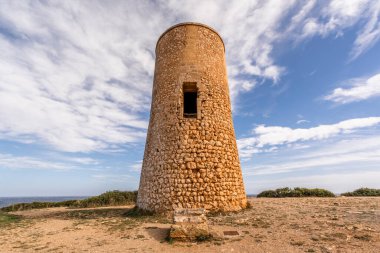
[[76, 80]]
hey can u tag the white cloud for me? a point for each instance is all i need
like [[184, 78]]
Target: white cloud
[[366, 158], [340, 165], [360, 89], [8, 161], [249, 30], [267, 136], [82, 160], [301, 121], [339, 15], [72, 76], [77, 75], [136, 167], [119, 178], [370, 34], [248, 85]]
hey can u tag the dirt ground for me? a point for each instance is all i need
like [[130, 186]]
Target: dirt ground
[[271, 225]]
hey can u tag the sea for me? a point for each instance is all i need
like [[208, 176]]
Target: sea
[[7, 201]]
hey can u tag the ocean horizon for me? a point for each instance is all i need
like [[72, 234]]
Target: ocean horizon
[[7, 201]]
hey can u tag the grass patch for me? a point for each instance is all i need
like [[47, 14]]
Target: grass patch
[[219, 212], [169, 240], [92, 214], [8, 218], [259, 223], [364, 237], [147, 216], [111, 198], [121, 225], [203, 238], [363, 192], [138, 213], [296, 192]]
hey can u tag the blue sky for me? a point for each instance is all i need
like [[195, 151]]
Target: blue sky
[[76, 79]]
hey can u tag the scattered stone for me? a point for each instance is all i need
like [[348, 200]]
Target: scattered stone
[[243, 221], [297, 243], [151, 227], [231, 233], [363, 237], [357, 227], [327, 249], [314, 238]]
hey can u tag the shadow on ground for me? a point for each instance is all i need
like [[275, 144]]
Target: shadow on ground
[[159, 234]]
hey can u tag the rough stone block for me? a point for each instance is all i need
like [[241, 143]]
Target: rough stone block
[[189, 224], [189, 232]]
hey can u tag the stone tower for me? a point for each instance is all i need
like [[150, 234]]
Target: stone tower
[[191, 158]]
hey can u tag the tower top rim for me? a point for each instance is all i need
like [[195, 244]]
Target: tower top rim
[[191, 23]]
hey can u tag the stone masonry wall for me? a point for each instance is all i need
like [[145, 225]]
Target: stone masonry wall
[[191, 162]]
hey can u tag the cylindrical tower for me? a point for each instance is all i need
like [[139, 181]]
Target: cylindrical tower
[[191, 158]]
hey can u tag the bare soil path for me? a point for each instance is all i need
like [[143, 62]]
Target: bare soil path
[[271, 225]]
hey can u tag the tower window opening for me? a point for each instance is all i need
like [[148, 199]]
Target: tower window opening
[[190, 95]]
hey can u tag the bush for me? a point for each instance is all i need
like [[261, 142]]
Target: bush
[[296, 192], [38, 205], [363, 192], [111, 198]]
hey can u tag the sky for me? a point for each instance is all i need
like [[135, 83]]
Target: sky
[[76, 80]]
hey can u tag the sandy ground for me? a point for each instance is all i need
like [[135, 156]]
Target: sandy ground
[[271, 225]]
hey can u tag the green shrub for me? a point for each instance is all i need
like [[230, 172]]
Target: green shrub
[[296, 192], [38, 205], [363, 192], [111, 198]]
